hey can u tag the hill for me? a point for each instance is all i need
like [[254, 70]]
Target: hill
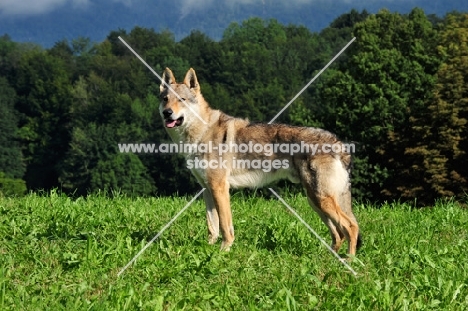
[[95, 19]]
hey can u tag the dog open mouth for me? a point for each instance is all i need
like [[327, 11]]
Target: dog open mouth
[[174, 123]]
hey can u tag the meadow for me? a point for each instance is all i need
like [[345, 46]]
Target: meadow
[[58, 253]]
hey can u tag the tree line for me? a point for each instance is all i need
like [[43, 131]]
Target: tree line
[[399, 92]]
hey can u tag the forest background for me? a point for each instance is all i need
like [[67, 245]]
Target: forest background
[[399, 92]]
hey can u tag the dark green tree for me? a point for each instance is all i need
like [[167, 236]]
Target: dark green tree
[[43, 88], [388, 78], [94, 163], [11, 159], [442, 130]]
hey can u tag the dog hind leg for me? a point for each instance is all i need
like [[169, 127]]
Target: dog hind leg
[[337, 236], [325, 181], [346, 205], [332, 210]]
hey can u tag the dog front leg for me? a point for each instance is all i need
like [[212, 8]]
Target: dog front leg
[[220, 193], [212, 219]]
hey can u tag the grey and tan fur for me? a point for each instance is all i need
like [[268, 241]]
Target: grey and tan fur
[[324, 176]]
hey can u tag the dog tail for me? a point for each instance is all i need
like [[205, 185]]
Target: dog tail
[[359, 241]]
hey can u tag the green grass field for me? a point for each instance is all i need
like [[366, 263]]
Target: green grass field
[[57, 253]]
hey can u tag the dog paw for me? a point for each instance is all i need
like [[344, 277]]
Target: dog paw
[[212, 239], [226, 247]]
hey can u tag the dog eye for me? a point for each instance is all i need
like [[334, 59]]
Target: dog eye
[[165, 98], [182, 99]]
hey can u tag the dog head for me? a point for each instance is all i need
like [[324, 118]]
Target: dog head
[[180, 102]]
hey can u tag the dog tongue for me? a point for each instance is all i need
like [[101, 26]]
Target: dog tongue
[[171, 124]]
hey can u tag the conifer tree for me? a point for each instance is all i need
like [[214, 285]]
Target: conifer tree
[[443, 130]]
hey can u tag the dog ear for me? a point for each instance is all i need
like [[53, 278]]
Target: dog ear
[[191, 80], [168, 78]]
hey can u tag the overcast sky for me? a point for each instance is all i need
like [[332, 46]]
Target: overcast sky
[[36, 7]]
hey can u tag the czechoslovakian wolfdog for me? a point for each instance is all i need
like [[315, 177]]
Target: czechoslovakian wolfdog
[[189, 119]]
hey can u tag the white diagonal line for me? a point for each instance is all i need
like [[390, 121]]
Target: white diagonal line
[[311, 81], [162, 81], [160, 232], [312, 230]]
